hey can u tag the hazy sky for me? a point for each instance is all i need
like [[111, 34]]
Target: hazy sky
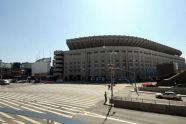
[[31, 29]]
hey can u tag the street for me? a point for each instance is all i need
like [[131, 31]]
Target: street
[[83, 102]]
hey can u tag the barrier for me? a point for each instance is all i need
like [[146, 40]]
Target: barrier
[[141, 105]]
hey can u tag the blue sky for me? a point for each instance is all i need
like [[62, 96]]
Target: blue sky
[[31, 29]]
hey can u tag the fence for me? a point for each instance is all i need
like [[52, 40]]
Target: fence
[[157, 106], [152, 101]]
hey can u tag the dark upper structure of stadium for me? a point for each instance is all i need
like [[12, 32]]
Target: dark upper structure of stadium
[[117, 40]]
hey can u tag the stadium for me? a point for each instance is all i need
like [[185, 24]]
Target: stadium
[[131, 58]]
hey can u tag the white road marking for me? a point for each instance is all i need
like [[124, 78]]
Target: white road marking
[[56, 109], [9, 102], [77, 103], [31, 109], [44, 109], [76, 100], [79, 98], [49, 104], [6, 115], [29, 119], [68, 103], [68, 116], [1, 120], [57, 105], [19, 122], [110, 118], [54, 103], [9, 106]]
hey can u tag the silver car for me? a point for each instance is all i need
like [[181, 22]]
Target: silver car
[[169, 95], [4, 82]]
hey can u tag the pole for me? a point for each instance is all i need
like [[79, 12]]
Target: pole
[[135, 78], [112, 74], [111, 83], [112, 94]]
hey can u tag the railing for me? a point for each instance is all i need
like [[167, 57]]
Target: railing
[[153, 101]]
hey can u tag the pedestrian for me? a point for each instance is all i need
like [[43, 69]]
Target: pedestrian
[[105, 95]]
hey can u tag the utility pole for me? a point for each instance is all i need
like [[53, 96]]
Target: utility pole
[[112, 73]]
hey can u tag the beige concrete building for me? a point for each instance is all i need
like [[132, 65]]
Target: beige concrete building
[[133, 58], [58, 64], [41, 67]]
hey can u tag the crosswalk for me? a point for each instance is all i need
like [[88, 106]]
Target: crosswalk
[[63, 100]]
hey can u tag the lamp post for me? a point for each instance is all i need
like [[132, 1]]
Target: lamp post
[[112, 73], [134, 71], [112, 69]]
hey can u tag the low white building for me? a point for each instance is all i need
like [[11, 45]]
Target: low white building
[[41, 67]]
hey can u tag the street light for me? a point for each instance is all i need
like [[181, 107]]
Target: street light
[[112, 73], [134, 69], [112, 79]]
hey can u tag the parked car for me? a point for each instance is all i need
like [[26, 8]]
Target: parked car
[[4, 82], [48, 81], [169, 95], [21, 81], [148, 84]]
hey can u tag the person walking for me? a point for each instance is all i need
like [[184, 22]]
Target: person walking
[[105, 95]]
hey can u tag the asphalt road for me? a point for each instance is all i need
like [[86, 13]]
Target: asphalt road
[[81, 102]]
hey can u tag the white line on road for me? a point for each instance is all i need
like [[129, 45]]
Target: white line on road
[[102, 116], [9, 102], [9, 106], [31, 109], [29, 119], [1, 121], [44, 108], [19, 122], [6, 115]]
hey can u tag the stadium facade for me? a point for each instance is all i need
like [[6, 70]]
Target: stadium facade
[[132, 58]]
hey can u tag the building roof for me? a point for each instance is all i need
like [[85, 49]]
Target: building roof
[[117, 40], [44, 60]]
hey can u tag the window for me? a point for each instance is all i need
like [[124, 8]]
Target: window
[[96, 65]]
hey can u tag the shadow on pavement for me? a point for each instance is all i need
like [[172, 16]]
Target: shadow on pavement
[[108, 113]]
